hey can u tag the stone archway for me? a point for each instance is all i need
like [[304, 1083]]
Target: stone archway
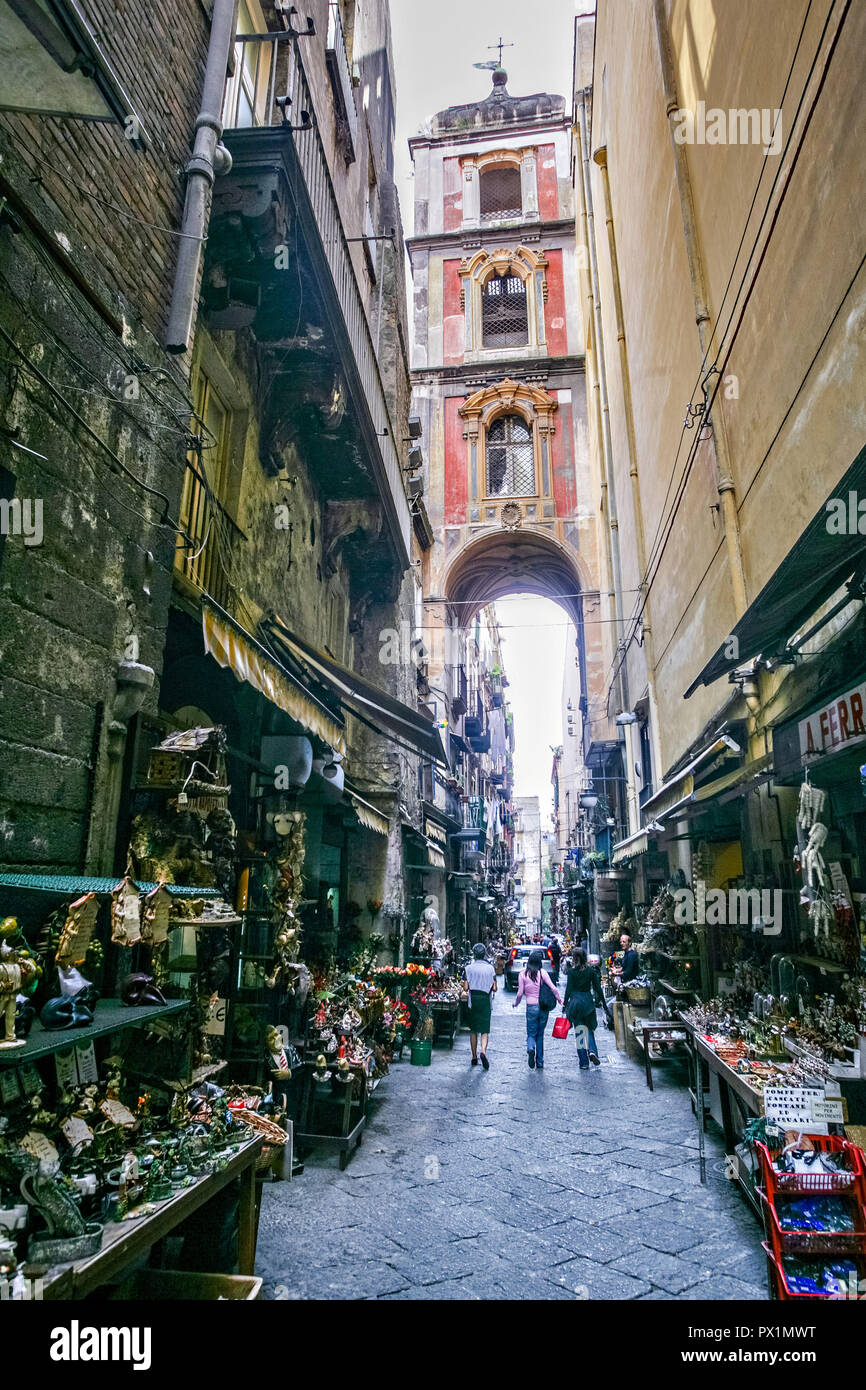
[[522, 560]]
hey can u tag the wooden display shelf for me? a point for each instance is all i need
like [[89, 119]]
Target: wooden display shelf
[[675, 989], [110, 1016], [125, 1241]]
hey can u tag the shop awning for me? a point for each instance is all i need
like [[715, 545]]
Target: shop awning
[[366, 701], [818, 564], [679, 790], [369, 817], [232, 646], [741, 777], [435, 856], [630, 848]]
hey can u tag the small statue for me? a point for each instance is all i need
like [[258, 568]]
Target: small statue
[[17, 971], [321, 1075], [280, 1062], [344, 1072]]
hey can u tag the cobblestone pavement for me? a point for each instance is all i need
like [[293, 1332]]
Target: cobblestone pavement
[[516, 1184]]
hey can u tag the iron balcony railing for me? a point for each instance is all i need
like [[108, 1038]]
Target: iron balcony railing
[[278, 95], [203, 553]]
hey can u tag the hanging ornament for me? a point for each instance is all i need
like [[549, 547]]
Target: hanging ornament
[[154, 915], [77, 930], [125, 913]]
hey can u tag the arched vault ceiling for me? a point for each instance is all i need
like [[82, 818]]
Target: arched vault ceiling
[[509, 562]]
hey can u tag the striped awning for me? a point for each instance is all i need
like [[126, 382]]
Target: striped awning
[[232, 646], [629, 849], [370, 818]]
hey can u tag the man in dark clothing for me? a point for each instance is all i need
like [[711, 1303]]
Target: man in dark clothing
[[555, 957], [624, 969]]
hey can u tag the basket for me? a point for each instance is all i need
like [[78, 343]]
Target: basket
[[813, 1242], [782, 1291], [793, 1184], [640, 995]]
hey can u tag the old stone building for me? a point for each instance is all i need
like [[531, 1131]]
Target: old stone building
[[225, 532], [497, 357], [717, 151]]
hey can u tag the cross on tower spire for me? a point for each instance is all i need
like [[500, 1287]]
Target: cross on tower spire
[[500, 45]]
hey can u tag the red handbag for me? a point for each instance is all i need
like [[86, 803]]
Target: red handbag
[[561, 1026]]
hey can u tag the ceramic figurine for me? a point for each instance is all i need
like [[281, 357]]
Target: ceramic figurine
[[280, 1062], [344, 1072], [154, 915], [321, 1075], [139, 989], [16, 973]]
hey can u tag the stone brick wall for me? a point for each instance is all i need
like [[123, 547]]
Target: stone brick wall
[[96, 590]]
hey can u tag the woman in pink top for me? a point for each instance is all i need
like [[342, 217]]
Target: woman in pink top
[[530, 986]]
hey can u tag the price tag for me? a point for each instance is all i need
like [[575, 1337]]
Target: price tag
[[831, 1112], [215, 1022], [117, 1113], [87, 1068], [67, 1069], [788, 1106], [40, 1146], [77, 1132], [31, 1081], [9, 1089]]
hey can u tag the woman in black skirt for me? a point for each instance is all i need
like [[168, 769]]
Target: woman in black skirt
[[481, 979]]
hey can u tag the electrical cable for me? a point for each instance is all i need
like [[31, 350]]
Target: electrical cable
[[710, 398], [28, 366], [702, 370], [115, 207]]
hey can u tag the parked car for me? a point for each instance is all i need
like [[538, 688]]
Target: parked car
[[517, 958]]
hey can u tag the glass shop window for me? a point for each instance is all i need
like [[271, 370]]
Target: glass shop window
[[510, 458]]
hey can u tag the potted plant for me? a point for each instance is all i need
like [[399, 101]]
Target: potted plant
[[421, 1046]]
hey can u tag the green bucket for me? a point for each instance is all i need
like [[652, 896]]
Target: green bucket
[[422, 1053]]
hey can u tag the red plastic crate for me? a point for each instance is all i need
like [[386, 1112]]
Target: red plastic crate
[[814, 1242], [779, 1284], [801, 1184]]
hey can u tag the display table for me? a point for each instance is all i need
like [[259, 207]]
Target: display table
[[731, 1083], [445, 1014], [125, 1241], [648, 1031]]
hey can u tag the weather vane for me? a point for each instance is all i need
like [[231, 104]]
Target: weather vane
[[494, 65]]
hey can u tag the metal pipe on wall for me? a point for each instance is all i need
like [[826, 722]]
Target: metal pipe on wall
[[703, 311], [600, 158], [611, 531], [209, 158]]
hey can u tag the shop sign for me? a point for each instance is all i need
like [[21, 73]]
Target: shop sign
[[436, 832], [837, 726], [793, 1106]]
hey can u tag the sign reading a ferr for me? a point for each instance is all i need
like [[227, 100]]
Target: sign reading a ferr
[[837, 726]]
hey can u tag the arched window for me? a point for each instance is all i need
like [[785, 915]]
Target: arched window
[[500, 192], [504, 321], [510, 458]]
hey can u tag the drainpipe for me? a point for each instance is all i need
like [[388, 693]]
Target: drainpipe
[[611, 537], [600, 158], [703, 310], [209, 158]]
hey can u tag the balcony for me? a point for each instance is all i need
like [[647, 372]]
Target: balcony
[[342, 84], [459, 704], [278, 262], [202, 557]]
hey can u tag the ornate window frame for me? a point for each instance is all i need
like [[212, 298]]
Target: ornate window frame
[[474, 273], [536, 406], [471, 165]]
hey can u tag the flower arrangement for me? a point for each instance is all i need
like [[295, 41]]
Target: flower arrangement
[[403, 972], [424, 1026]]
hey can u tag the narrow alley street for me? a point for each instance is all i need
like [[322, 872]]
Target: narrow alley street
[[514, 1184]]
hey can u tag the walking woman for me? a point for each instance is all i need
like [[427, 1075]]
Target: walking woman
[[539, 991], [481, 979], [582, 994]]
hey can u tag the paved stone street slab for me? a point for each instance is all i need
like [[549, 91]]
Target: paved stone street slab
[[508, 1184]]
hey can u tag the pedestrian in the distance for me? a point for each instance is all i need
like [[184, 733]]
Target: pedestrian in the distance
[[481, 979], [540, 993], [556, 957], [582, 994]]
